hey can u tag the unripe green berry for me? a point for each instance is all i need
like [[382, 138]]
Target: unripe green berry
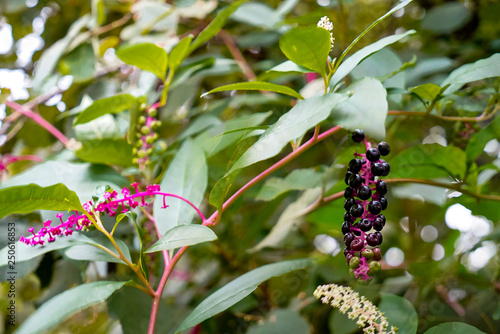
[[152, 112], [354, 263], [134, 150], [374, 267], [367, 254], [141, 120], [135, 160], [141, 154], [150, 140], [149, 151], [351, 272], [145, 130], [139, 143], [155, 125]]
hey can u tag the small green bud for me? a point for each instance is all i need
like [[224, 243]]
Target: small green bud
[[354, 262], [351, 272], [152, 112], [145, 130], [141, 154], [139, 143], [149, 151], [150, 140], [134, 161], [141, 120], [134, 150], [155, 125]]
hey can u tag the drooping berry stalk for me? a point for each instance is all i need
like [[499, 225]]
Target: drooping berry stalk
[[8, 159], [364, 201]]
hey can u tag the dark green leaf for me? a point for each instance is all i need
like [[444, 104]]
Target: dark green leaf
[[366, 108], [107, 151], [455, 328], [429, 161], [57, 309], [79, 63], [216, 25], [147, 57], [29, 198], [476, 144], [294, 124], [299, 179], [238, 289], [186, 176], [183, 235], [481, 69], [400, 313], [350, 63], [257, 85], [446, 18], [308, 47], [108, 105]]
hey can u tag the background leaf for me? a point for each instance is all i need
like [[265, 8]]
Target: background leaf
[[446, 18], [238, 289], [257, 85], [308, 47], [299, 179], [29, 198], [107, 151], [147, 57], [400, 313], [57, 309], [108, 105], [183, 235], [455, 328]]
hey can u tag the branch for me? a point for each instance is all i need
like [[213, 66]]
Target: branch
[[233, 48], [483, 117]]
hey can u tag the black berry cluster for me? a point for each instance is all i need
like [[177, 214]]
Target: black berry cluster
[[364, 201]]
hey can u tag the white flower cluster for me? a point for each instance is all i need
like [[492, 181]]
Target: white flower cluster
[[326, 24], [344, 298]]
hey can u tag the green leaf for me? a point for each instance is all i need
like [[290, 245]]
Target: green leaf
[[428, 91], [256, 14], [183, 235], [108, 105], [446, 18], [481, 69], [147, 57], [87, 251], [453, 327], [299, 179], [476, 144], [282, 321], [238, 289], [57, 309], [308, 47], [365, 109], [109, 151], [216, 25], [289, 66], [294, 124], [400, 313], [79, 63], [29, 198], [350, 63], [179, 52], [257, 85], [186, 176], [429, 161], [377, 21], [4, 94]]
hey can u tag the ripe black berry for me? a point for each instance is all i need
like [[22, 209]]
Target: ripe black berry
[[348, 257], [347, 176], [365, 225], [372, 239], [358, 135], [384, 148], [348, 238], [378, 223], [374, 207], [349, 192], [383, 202], [355, 165], [356, 210], [347, 217], [357, 245], [346, 227], [364, 192], [348, 203], [372, 154], [355, 180], [387, 168], [382, 187], [379, 237], [377, 169]]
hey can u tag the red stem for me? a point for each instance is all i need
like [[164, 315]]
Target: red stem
[[39, 119]]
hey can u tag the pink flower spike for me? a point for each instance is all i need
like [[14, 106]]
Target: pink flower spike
[[47, 223], [125, 192], [107, 195], [135, 185], [31, 229]]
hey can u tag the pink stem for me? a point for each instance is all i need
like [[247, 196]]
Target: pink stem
[[39, 119]]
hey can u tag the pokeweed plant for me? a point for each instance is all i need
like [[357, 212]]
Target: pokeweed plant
[[169, 175]]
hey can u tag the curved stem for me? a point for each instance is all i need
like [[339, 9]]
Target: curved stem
[[39, 119], [483, 117]]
